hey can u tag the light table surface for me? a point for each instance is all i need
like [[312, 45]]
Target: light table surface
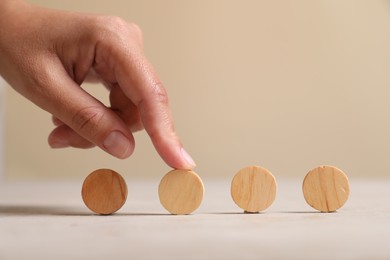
[[48, 220]]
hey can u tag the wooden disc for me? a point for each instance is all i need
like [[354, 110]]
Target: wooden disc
[[104, 191], [253, 189], [181, 192], [326, 188]]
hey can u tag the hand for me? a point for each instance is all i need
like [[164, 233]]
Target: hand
[[47, 54]]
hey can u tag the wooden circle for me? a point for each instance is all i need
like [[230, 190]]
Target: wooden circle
[[104, 191], [326, 188], [181, 192], [253, 189]]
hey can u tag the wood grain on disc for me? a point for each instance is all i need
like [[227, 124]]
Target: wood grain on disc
[[326, 188], [253, 189], [104, 191], [181, 192]]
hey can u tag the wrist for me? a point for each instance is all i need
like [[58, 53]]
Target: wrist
[[12, 12], [8, 7], [13, 15]]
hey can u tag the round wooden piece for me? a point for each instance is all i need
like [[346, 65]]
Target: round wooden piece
[[253, 189], [326, 188], [181, 192], [104, 191]]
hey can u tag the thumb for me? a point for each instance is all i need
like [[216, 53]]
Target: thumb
[[85, 115]]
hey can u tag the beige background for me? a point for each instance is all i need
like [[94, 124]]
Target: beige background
[[286, 84]]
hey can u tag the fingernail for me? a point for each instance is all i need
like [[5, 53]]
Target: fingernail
[[117, 145], [188, 158], [58, 143]]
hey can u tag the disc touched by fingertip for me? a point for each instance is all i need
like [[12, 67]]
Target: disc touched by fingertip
[[104, 191], [326, 188], [181, 192]]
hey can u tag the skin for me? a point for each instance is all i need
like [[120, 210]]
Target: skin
[[48, 54]]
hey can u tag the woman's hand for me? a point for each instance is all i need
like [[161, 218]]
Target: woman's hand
[[46, 55]]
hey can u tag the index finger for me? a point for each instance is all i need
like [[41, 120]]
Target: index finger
[[141, 85]]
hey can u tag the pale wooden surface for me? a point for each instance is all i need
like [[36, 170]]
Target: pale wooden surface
[[50, 221], [181, 192], [326, 188], [253, 189]]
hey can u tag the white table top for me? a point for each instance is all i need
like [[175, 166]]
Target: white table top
[[48, 220]]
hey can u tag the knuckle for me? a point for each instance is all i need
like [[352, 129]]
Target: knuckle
[[136, 31], [114, 27], [115, 22], [160, 93], [103, 27], [87, 121]]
